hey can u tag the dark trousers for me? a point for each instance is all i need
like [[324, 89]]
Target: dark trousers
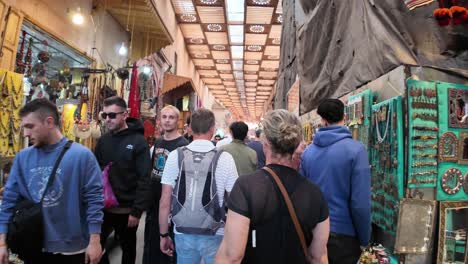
[[51, 258], [343, 249], [126, 236], [152, 253]]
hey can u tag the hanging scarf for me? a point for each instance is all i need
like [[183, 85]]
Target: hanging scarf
[[133, 98]]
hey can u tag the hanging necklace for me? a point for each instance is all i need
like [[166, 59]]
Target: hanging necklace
[[4, 117], [16, 98], [381, 139], [5, 92]]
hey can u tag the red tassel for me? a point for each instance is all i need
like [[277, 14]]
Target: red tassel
[[458, 14], [443, 16]]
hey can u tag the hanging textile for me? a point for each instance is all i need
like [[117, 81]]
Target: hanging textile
[[412, 4], [133, 98]]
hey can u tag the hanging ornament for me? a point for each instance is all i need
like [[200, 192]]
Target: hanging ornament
[[442, 14], [28, 58], [459, 14], [20, 67], [44, 55], [133, 101]]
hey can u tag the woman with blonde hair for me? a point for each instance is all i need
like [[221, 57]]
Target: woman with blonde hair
[[260, 226]]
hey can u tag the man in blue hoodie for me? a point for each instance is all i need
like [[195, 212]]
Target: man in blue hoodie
[[339, 165], [72, 206]]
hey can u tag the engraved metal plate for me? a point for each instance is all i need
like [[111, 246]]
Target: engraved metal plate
[[415, 226]]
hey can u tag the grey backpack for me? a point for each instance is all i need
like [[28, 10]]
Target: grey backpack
[[195, 201]]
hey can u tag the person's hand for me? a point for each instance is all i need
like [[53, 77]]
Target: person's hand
[[93, 252], [4, 255], [133, 221], [167, 246]]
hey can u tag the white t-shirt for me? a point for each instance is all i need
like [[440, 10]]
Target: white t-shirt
[[225, 175]]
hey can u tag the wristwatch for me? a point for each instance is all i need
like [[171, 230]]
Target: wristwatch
[[164, 235]]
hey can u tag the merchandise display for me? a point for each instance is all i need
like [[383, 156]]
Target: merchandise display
[[422, 134], [453, 145], [359, 114], [11, 89], [387, 162]]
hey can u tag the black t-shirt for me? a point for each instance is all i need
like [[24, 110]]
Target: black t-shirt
[[161, 150], [258, 198]]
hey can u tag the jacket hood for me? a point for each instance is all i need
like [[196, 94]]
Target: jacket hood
[[330, 135], [134, 126]]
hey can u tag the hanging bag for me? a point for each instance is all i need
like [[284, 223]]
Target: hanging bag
[[26, 230], [110, 200]]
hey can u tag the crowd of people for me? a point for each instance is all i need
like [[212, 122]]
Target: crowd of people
[[220, 200]]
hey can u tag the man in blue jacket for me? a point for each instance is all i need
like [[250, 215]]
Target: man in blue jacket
[[72, 206], [339, 165]]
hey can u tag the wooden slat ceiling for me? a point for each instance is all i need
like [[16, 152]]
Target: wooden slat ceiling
[[140, 16], [239, 72]]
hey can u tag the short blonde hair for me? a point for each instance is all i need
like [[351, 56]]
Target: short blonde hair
[[283, 131], [171, 107]]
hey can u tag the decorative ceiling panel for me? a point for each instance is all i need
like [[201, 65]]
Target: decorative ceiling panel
[[253, 55], [275, 31], [225, 76], [255, 39], [203, 62], [220, 55], [216, 38], [183, 7], [211, 14], [259, 15], [270, 64], [272, 50], [192, 31], [235, 46], [223, 67]]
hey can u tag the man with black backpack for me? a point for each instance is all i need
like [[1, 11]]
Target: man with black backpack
[[196, 180], [64, 181]]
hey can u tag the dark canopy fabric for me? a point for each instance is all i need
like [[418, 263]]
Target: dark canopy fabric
[[345, 44]]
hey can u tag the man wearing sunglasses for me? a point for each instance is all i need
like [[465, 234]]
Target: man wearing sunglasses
[[129, 175]]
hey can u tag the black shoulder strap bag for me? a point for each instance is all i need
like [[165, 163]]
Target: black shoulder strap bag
[[26, 229]]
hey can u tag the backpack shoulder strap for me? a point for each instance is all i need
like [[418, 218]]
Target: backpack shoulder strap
[[218, 153], [181, 155]]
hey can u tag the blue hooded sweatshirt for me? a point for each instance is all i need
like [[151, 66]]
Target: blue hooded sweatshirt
[[72, 206], [339, 165]]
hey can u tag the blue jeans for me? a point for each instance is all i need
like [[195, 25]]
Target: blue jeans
[[192, 248]]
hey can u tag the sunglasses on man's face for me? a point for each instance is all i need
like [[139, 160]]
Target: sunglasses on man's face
[[111, 115]]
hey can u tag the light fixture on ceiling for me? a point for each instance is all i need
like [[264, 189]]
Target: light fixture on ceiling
[[257, 28], [252, 62], [123, 50], [254, 48], [201, 56], [273, 57], [209, 2], [261, 2], [276, 41], [196, 40], [219, 47], [77, 17], [280, 19], [222, 61], [214, 27], [189, 18], [146, 70]]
